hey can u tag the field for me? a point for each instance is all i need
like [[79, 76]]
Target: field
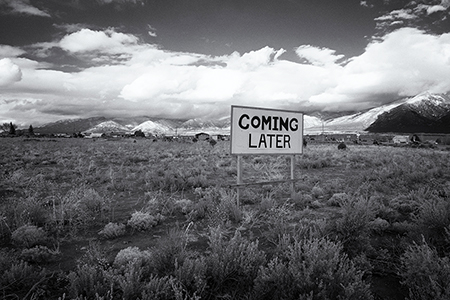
[[137, 219]]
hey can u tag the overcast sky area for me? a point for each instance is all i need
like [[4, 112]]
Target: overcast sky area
[[185, 59]]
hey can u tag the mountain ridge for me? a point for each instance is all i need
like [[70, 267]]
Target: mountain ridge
[[425, 112]]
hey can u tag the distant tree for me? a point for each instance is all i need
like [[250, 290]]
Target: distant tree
[[12, 128], [4, 127], [30, 130], [139, 133], [342, 146]]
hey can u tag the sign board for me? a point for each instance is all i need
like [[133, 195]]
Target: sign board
[[266, 131]]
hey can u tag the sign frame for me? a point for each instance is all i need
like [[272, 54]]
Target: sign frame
[[266, 122], [276, 137]]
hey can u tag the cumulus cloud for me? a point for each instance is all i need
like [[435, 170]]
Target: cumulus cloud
[[404, 63], [24, 7], [152, 81], [87, 40], [318, 56], [9, 51], [9, 72]]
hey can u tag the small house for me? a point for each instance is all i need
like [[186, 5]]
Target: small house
[[400, 139], [202, 136]]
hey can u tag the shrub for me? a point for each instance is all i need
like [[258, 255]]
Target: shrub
[[317, 192], [425, 273], [142, 221], [20, 276], [185, 206], [82, 206], [112, 230], [28, 236], [169, 251], [92, 276], [433, 219], [159, 288], [379, 225], [337, 199], [131, 255], [353, 227], [311, 269], [89, 281], [39, 254], [232, 265], [342, 146], [192, 275]]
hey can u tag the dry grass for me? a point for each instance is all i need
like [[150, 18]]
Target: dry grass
[[373, 204]]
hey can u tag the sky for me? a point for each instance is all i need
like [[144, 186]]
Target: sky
[[183, 59]]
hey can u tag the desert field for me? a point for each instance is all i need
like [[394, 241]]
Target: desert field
[[138, 219]]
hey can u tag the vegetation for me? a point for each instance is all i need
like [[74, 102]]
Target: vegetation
[[129, 219]]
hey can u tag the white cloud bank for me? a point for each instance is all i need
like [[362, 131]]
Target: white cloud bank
[[133, 78], [24, 7], [9, 72]]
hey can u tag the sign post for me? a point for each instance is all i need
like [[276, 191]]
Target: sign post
[[265, 131]]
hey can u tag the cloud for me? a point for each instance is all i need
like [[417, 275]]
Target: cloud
[[9, 51], [156, 82], [430, 8], [9, 72], [24, 7], [87, 40], [318, 56], [151, 31], [399, 14], [404, 63]]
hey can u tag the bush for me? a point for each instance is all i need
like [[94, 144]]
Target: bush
[[169, 251], [20, 277], [82, 206], [89, 281], [142, 221], [113, 230], [28, 236], [311, 269], [433, 219], [131, 255], [192, 275], [39, 254], [338, 199], [425, 273], [353, 228], [342, 146], [232, 265]]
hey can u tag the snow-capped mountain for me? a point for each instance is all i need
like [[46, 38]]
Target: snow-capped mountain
[[156, 128], [425, 112], [106, 127], [194, 126], [430, 105]]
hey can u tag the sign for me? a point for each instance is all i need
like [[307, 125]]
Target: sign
[[266, 131]]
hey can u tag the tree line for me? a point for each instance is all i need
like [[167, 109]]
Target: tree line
[[10, 128]]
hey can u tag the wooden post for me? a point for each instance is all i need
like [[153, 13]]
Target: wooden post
[[292, 176], [239, 178]]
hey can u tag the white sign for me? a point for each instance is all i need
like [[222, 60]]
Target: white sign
[[266, 131]]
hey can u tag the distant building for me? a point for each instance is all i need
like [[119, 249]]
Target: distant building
[[93, 135], [202, 136], [400, 139]]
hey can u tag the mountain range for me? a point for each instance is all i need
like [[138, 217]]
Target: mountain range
[[426, 112]]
